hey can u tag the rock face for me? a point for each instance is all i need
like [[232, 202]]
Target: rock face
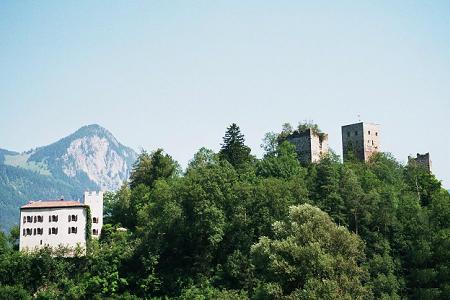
[[94, 156], [104, 160], [92, 153], [89, 159]]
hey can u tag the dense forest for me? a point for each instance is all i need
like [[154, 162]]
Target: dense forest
[[232, 226]]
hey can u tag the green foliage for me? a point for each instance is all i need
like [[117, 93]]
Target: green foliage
[[233, 148], [287, 130], [13, 293], [233, 227], [88, 226], [270, 143], [206, 292], [13, 238], [202, 158], [283, 163], [150, 167], [311, 257]]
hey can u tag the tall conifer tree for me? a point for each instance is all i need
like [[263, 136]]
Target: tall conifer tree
[[233, 148]]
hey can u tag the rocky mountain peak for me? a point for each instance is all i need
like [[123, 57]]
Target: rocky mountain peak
[[90, 157], [94, 130]]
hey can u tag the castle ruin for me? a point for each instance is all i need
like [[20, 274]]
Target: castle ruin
[[361, 140], [422, 160], [309, 145]]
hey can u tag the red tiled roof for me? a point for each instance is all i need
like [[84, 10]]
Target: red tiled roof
[[52, 203]]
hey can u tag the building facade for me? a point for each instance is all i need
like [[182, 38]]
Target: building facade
[[361, 140], [422, 160], [309, 145], [95, 201], [60, 223]]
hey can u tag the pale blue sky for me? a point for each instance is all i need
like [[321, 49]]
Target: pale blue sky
[[174, 74]]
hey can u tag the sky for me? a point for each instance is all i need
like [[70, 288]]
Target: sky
[[175, 74]]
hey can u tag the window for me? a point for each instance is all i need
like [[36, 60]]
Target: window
[[356, 132], [40, 219], [369, 132], [41, 242], [73, 218], [27, 231], [35, 219], [34, 231], [94, 220], [72, 230], [53, 230], [23, 232], [376, 133], [40, 231], [49, 218], [29, 219], [54, 218], [24, 219], [94, 231], [372, 142]]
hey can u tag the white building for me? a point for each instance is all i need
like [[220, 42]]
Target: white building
[[57, 223]]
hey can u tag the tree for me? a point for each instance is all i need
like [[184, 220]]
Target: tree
[[14, 234], [270, 143], [150, 167], [310, 257], [233, 148], [286, 131], [325, 190], [203, 158], [283, 163], [421, 182], [120, 207]]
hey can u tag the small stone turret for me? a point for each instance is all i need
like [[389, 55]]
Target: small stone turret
[[422, 160], [95, 202]]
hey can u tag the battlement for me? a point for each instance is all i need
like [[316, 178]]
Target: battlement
[[422, 160], [93, 193]]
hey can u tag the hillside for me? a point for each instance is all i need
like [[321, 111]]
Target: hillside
[[236, 227]]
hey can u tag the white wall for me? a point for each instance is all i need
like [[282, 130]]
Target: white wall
[[95, 202], [30, 242]]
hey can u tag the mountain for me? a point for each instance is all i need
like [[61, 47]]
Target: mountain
[[89, 159]]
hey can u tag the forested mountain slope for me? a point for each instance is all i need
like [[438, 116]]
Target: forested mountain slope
[[236, 227]]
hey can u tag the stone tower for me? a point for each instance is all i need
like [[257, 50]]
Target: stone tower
[[309, 145], [422, 160], [362, 139], [95, 202]]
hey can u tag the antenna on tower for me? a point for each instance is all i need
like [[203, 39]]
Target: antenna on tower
[[359, 118]]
